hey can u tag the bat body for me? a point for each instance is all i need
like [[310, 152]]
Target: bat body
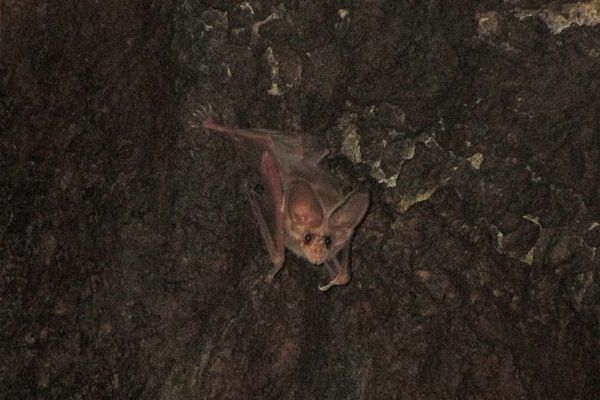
[[302, 207]]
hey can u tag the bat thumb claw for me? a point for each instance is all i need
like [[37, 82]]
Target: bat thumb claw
[[326, 287], [341, 279]]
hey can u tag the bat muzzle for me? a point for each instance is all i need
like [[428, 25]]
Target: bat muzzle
[[317, 259]]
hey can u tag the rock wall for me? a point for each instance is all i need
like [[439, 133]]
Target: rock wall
[[131, 267]]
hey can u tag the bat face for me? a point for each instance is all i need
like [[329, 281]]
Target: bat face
[[317, 245], [319, 235]]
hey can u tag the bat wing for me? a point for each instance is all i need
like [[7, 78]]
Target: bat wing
[[265, 152], [287, 148]]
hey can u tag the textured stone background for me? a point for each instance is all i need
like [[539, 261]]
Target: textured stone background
[[130, 266]]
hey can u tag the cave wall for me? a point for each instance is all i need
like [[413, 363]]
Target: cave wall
[[131, 267]]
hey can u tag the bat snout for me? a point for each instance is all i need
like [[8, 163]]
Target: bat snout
[[318, 261], [316, 257]]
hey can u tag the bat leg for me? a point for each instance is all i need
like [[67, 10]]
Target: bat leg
[[338, 269], [273, 242], [277, 257], [271, 172]]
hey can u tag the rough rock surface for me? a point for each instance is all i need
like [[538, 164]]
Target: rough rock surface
[[130, 266]]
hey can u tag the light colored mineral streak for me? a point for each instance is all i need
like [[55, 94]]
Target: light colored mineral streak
[[407, 202], [351, 139], [278, 13], [274, 64], [583, 13], [476, 160]]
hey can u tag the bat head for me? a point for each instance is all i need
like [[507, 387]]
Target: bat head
[[320, 235]]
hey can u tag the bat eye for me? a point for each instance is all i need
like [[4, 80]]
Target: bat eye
[[327, 241], [308, 238]]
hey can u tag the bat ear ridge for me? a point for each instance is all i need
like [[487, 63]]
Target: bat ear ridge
[[303, 206], [348, 214]]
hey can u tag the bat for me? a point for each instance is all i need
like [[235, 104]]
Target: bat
[[299, 205]]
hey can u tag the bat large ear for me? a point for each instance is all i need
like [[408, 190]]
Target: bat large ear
[[303, 207], [350, 212]]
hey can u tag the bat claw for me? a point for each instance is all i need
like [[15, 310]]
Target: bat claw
[[201, 115], [271, 275], [341, 279]]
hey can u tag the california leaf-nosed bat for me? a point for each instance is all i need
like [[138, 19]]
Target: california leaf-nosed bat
[[301, 206]]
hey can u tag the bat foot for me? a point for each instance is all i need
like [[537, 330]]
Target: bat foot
[[270, 278], [278, 262], [339, 280], [202, 116]]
